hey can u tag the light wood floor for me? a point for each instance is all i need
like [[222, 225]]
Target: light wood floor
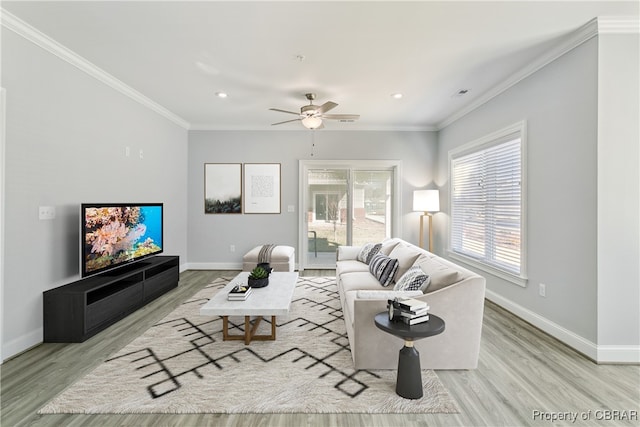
[[521, 370]]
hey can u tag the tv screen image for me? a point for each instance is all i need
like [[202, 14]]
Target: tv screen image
[[117, 234]]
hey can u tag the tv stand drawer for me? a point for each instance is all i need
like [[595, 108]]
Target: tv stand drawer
[[114, 306]]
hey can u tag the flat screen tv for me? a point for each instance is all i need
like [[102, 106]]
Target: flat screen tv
[[116, 234]]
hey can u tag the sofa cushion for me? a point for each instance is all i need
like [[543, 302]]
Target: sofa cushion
[[368, 251], [349, 266], [383, 268], [413, 279], [358, 280], [406, 257], [439, 274], [388, 245]]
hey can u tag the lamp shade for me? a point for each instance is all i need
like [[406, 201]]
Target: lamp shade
[[312, 122], [426, 200]]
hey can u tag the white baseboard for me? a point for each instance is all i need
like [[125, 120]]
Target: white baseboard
[[22, 344], [599, 354], [573, 340], [619, 354], [214, 266]]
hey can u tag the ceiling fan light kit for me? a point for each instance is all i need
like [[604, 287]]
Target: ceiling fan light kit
[[311, 122], [311, 115]]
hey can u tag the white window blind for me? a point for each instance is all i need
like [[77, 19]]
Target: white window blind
[[486, 204]]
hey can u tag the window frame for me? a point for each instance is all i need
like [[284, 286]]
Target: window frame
[[496, 138]]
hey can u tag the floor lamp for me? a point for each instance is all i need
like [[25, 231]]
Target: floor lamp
[[427, 201]]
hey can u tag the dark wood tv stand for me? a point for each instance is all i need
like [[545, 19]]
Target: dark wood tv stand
[[79, 310]]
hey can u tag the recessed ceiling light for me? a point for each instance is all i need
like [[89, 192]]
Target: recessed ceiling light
[[221, 94], [396, 95]]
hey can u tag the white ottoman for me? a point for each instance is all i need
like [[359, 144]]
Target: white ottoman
[[282, 258]]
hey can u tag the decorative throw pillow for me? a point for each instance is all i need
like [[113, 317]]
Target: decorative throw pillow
[[383, 268], [414, 279], [368, 251]]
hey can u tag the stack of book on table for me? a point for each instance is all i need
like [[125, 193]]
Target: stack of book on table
[[239, 293], [412, 311]]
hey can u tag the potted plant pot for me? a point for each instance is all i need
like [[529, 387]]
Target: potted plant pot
[[258, 283], [258, 278]]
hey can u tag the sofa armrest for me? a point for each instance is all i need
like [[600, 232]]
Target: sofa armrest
[[347, 253], [460, 305]]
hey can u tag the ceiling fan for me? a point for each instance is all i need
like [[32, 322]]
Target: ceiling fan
[[311, 115]]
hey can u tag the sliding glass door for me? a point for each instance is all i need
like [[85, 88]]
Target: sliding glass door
[[372, 202], [344, 203], [326, 214]]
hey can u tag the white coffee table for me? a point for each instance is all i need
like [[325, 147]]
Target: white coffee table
[[272, 300]]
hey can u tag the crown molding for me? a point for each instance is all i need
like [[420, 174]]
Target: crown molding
[[600, 25], [23, 29], [217, 127], [618, 25]]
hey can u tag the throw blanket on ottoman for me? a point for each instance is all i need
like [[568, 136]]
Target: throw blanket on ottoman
[[265, 253], [279, 257]]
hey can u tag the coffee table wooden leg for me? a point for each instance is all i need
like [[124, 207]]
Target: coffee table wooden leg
[[247, 330], [225, 328]]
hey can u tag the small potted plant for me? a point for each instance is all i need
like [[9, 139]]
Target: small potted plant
[[258, 278]]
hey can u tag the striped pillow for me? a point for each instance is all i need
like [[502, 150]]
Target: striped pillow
[[383, 268], [414, 279]]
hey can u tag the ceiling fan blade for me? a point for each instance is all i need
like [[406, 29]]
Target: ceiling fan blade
[[326, 107], [286, 121], [341, 116], [284, 111]]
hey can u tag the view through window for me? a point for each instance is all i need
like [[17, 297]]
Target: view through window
[[345, 206]]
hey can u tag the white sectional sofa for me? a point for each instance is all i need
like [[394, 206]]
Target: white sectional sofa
[[454, 293]]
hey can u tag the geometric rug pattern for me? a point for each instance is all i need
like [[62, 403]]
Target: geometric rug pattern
[[182, 365]]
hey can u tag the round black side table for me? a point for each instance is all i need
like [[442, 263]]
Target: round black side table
[[409, 380]]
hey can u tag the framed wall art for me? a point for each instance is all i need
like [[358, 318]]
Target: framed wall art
[[223, 188], [262, 188]]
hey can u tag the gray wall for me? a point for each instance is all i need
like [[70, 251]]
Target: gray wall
[[559, 104], [210, 236], [583, 194], [65, 144]]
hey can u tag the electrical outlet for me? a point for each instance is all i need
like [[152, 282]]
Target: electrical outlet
[[127, 151], [291, 208], [232, 248], [542, 290], [46, 212], [141, 154]]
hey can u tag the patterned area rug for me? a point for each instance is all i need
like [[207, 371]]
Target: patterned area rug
[[182, 365]]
